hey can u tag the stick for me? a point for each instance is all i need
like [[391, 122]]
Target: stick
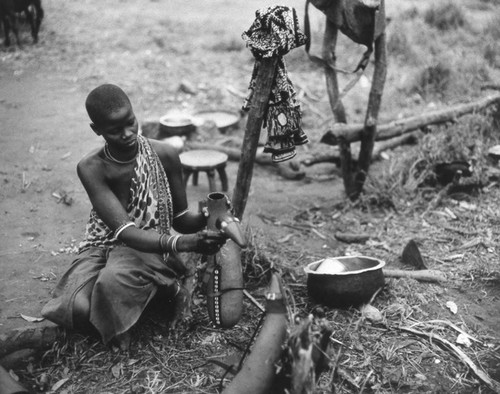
[[449, 323], [421, 275], [437, 199], [351, 237], [494, 385], [393, 142], [353, 132], [253, 300]]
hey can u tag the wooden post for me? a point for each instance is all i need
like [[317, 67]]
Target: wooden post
[[263, 83], [336, 105], [370, 129]]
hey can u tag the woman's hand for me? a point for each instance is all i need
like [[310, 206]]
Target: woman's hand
[[204, 242]]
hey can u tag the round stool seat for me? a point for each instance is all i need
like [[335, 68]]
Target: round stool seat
[[209, 161], [202, 160]]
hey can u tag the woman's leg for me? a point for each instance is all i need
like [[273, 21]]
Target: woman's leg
[[124, 288], [81, 309]]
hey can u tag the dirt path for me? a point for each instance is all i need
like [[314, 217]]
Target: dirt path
[[38, 157]]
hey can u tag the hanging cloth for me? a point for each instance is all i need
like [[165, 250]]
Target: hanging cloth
[[275, 32]]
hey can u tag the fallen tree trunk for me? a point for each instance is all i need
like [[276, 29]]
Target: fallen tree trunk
[[393, 142], [334, 155], [353, 132], [308, 159]]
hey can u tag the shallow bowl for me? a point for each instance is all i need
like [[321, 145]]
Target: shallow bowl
[[351, 281], [224, 120]]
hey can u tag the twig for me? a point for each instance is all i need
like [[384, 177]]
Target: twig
[[366, 380], [448, 323], [421, 275], [254, 301], [437, 200], [352, 237], [318, 233], [494, 385], [475, 242], [458, 230], [347, 377]]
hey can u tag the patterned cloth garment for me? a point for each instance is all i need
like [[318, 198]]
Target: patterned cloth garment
[[275, 32], [150, 202]]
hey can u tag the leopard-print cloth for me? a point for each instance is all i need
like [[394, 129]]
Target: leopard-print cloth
[[150, 201]]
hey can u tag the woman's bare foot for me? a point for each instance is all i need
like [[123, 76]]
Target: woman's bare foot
[[122, 341]]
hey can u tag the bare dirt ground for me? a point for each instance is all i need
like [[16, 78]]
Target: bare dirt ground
[[149, 48]]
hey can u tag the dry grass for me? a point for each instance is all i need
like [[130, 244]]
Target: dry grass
[[445, 16], [383, 356], [411, 176]]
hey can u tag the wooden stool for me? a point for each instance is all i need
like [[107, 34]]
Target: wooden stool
[[209, 161]]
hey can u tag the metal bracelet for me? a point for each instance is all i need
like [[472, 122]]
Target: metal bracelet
[[174, 244], [119, 230], [181, 213]]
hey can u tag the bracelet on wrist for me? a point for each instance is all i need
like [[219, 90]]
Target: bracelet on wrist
[[169, 243], [162, 241], [174, 244], [119, 230]]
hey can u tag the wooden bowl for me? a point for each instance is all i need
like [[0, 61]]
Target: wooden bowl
[[348, 281]]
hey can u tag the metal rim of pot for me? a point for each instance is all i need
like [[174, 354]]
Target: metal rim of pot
[[308, 268]]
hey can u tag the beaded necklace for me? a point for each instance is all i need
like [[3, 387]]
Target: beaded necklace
[[108, 155]]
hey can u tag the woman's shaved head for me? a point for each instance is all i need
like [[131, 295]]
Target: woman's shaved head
[[104, 100]]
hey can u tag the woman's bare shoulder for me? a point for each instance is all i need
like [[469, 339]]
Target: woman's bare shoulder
[[90, 163]]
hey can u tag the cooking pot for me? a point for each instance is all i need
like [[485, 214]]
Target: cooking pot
[[175, 125], [345, 281]]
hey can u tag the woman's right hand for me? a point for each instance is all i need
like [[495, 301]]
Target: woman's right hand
[[204, 242]]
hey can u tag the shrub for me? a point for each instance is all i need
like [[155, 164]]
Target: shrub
[[445, 16], [408, 175], [470, 73], [492, 28], [228, 44], [409, 14], [433, 80], [398, 44], [490, 54]]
